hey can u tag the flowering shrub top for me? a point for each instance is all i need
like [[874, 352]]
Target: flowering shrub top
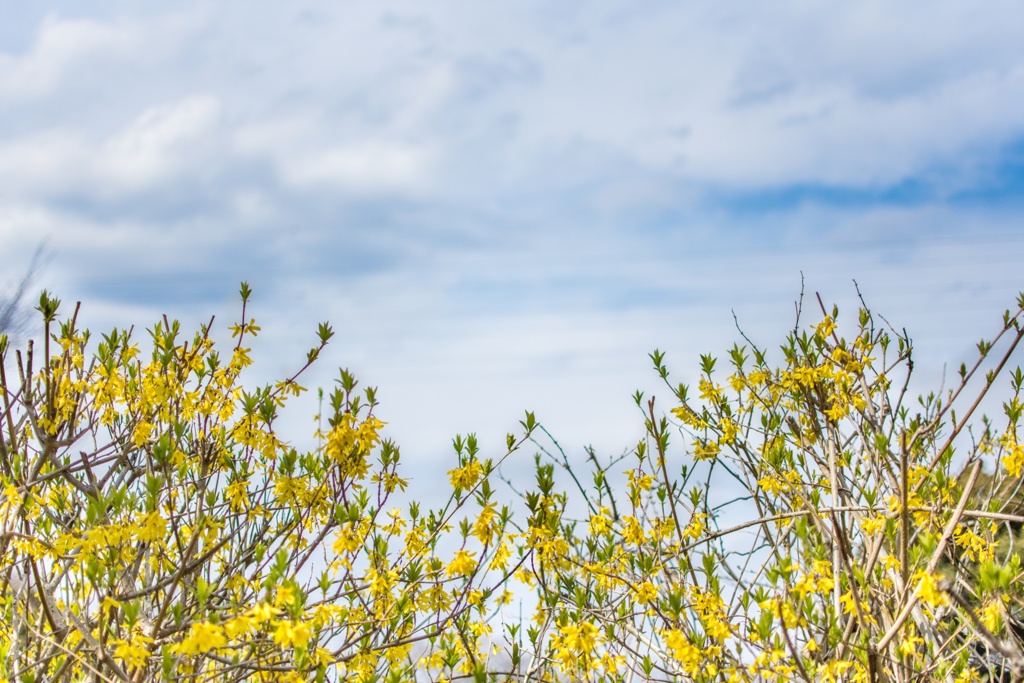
[[807, 520], [154, 525]]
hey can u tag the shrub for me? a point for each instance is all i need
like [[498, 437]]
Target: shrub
[[818, 523], [808, 519], [154, 525]]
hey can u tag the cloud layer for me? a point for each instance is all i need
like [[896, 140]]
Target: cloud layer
[[504, 208]]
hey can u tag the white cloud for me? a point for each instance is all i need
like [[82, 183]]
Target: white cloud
[[865, 96], [43, 162], [470, 105], [360, 166], [307, 155], [61, 48], [163, 141], [832, 135]]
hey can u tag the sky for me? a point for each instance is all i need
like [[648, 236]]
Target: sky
[[506, 206]]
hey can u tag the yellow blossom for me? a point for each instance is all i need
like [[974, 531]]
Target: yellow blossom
[[928, 590], [292, 633], [646, 592], [201, 638], [467, 476], [462, 564]]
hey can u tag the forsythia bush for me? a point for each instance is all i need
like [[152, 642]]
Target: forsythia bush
[[806, 519], [816, 523], [154, 526]]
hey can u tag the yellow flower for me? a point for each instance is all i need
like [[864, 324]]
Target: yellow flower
[[837, 409], [646, 592], [292, 633], [462, 564], [728, 431], [581, 637], [891, 563], [1013, 461], [263, 612], [467, 476], [202, 637], [349, 540], [484, 526], [285, 596], [688, 417], [141, 434], [501, 557], [826, 327], [709, 392], [369, 433], [237, 495], [696, 527], [153, 527], [381, 582], [133, 652], [758, 377], [772, 485], [705, 450], [238, 626], [908, 646], [436, 598], [632, 532], [574, 645], [600, 523], [992, 616], [928, 590], [976, 548], [873, 524], [683, 651]]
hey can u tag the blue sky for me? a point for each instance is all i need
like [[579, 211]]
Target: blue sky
[[506, 206]]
